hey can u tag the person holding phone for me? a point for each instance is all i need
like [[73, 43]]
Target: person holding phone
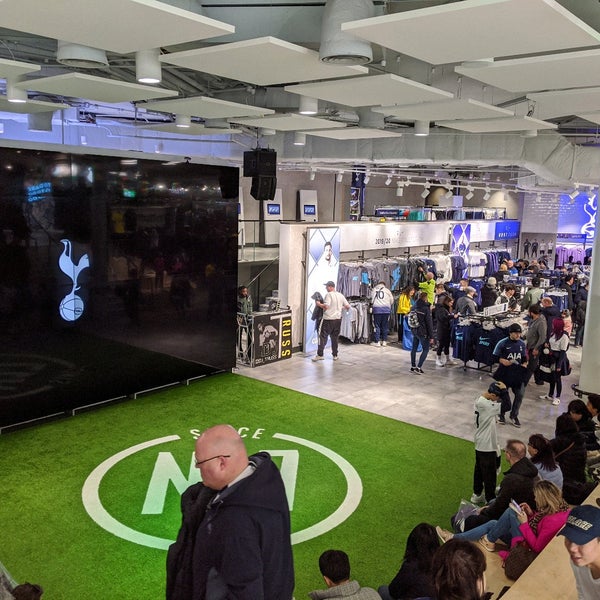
[[520, 522]]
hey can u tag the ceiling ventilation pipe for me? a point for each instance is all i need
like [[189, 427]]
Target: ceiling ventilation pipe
[[337, 46]]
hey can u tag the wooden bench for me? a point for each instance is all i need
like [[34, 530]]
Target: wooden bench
[[549, 576]]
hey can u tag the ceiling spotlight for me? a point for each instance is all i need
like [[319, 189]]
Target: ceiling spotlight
[[147, 66], [469, 195], [421, 128], [267, 131], [299, 138], [313, 174], [425, 193], [183, 121], [340, 176], [158, 148], [449, 194], [388, 180], [14, 93], [486, 196], [400, 189], [574, 193], [308, 105]]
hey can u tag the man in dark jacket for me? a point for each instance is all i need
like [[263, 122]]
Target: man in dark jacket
[[511, 354], [234, 540], [422, 334], [550, 311], [517, 483]]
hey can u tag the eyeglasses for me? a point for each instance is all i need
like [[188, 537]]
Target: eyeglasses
[[201, 462]]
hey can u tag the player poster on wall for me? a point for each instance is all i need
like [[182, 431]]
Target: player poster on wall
[[322, 265]]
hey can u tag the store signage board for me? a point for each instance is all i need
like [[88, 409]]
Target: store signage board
[[572, 238], [272, 337], [375, 236], [495, 309], [506, 230]]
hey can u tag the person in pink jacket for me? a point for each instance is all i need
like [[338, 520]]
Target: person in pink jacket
[[535, 527]]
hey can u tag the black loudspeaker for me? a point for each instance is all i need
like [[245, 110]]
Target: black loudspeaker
[[263, 188], [259, 162]]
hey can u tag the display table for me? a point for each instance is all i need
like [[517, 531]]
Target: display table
[[264, 337]]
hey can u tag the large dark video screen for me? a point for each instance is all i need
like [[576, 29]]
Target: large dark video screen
[[116, 276]]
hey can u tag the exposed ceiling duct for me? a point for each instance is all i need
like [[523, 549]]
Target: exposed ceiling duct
[[338, 47]]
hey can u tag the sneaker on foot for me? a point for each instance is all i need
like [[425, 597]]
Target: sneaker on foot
[[335, 357], [443, 534], [556, 401], [489, 546], [545, 397], [384, 344], [450, 361], [515, 421], [478, 499], [420, 371], [413, 370], [438, 362], [316, 357], [501, 420], [374, 344]]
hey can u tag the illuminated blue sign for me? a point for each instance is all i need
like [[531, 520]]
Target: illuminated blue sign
[[38, 192], [71, 306], [507, 230]]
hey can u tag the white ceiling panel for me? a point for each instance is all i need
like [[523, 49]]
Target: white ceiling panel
[[476, 29], [13, 68], [556, 71], [514, 123], [29, 107], [289, 122], [194, 129], [549, 105], [261, 61], [100, 89], [456, 108], [354, 133], [208, 108], [121, 26], [370, 91]]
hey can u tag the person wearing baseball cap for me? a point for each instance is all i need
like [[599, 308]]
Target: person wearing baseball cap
[[582, 541], [487, 408], [511, 354]]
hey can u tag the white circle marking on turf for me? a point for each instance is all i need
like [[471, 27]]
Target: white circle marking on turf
[[92, 503]]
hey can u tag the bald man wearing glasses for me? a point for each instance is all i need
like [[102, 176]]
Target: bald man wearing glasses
[[234, 540]]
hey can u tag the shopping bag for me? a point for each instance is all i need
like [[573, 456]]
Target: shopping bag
[[465, 510]]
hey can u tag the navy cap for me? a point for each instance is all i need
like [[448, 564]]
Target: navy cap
[[330, 283], [515, 328], [583, 524]]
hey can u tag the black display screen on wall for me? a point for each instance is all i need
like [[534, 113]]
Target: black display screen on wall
[[116, 276]]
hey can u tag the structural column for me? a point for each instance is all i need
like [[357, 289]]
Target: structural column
[[589, 380]]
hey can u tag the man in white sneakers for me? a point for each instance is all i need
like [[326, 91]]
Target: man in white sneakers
[[332, 306], [487, 408], [582, 541]]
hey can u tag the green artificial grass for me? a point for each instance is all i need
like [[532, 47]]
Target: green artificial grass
[[408, 474]]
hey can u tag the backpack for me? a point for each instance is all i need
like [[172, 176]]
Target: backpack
[[413, 319]]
